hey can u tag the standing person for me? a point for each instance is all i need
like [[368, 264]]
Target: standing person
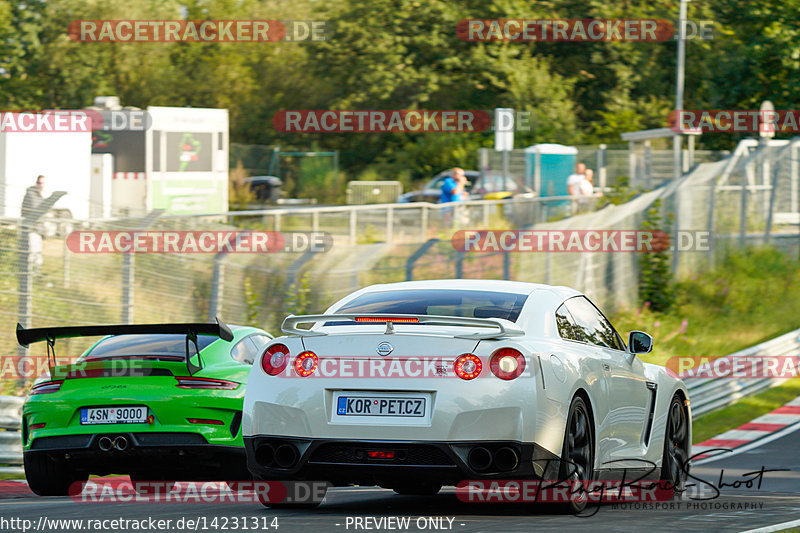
[[586, 187], [453, 187], [453, 190], [31, 204], [574, 180]]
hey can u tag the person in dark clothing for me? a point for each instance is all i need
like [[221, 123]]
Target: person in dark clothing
[[31, 204], [33, 199]]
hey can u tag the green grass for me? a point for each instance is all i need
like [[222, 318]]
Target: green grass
[[743, 411], [746, 300]]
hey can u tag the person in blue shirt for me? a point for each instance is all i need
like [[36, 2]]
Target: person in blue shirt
[[453, 188]]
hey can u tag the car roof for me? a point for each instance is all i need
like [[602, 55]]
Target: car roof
[[497, 285]]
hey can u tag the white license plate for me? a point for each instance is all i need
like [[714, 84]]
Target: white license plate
[[114, 415], [380, 406]]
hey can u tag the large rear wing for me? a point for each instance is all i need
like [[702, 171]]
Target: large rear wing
[[28, 336], [25, 337], [500, 327]]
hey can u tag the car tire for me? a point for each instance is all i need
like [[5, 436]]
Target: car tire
[[418, 489], [47, 477], [675, 460], [578, 449]]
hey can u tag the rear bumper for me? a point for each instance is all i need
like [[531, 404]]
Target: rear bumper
[[178, 455], [346, 462]]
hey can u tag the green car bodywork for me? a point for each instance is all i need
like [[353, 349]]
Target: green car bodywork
[[193, 409]]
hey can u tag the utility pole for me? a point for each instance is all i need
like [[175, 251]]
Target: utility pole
[[677, 139]]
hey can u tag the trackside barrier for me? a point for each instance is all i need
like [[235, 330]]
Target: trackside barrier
[[10, 440], [706, 394]]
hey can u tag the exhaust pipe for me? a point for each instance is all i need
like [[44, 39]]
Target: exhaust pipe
[[265, 455], [506, 459], [121, 443], [479, 459], [105, 444], [286, 456]]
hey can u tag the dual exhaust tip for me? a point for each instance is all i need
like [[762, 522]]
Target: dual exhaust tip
[[106, 444], [504, 459], [282, 456]]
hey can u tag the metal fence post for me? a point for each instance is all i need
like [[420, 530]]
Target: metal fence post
[[217, 287], [25, 266], [506, 265], [65, 265], [389, 224], [127, 288], [601, 166], [128, 268], [424, 222], [353, 221]]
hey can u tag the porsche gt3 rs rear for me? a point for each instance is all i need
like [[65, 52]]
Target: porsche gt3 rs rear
[[139, 402], [415, 385]]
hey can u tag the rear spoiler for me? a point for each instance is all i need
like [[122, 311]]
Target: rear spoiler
[[25, 337], [28, 336], [501, 327]]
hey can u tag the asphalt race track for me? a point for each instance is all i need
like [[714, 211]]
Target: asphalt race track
[[741, 509]]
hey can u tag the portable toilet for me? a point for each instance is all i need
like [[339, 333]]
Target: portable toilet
[[547, 167]]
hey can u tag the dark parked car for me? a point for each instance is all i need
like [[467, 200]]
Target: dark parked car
[[491, 186], [267, 188]]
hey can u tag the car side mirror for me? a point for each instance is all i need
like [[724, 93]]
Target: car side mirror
[[639, 342]]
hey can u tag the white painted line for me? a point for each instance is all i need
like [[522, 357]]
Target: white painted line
[[796, 401], [750, 446], [774, 527], [770, 418], [742, 434]]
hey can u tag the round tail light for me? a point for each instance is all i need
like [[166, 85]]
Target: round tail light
[[305, 364], [274, 359], [507, 363], [468, 366]]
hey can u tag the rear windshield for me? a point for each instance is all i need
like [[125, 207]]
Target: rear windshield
[[164, 345], [445, 302]]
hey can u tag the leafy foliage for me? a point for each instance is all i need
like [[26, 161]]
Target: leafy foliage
[[655, 272]]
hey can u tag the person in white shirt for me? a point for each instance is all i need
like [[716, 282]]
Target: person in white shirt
[[586, 187], [574, 180]]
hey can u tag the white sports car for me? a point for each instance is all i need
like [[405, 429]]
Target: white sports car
[[415, 385]]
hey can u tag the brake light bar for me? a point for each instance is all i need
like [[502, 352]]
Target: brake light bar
[[191, 382], [398, 320], [205, 421], [380, 454], [47, 387]]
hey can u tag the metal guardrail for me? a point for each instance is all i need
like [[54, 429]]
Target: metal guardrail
[[708, 394], [10, 440]]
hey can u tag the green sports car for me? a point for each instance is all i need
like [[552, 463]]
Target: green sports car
[[159, 402]]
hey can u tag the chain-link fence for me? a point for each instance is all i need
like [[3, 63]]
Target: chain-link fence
[[751, 197]]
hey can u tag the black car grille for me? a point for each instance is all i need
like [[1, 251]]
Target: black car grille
[[404, 454]]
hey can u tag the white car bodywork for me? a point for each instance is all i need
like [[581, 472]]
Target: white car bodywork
[[628, 399]]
